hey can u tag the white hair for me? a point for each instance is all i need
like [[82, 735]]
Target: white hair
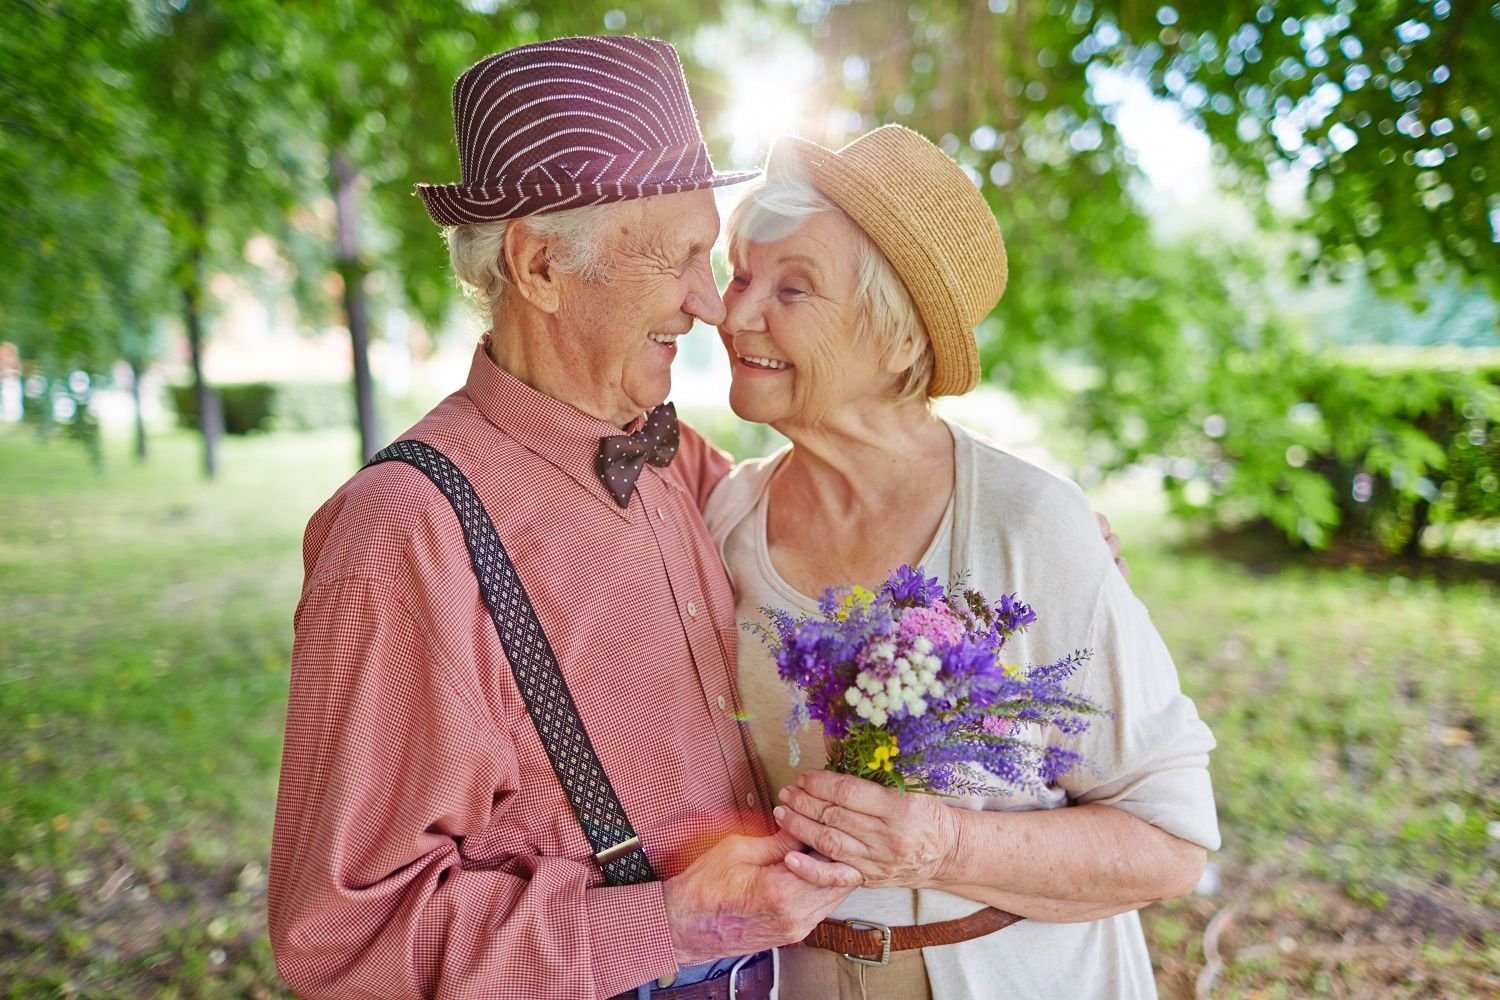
[[477, 249], [783, 200]]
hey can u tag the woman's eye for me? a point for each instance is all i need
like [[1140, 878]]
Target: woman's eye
[[738, 280], [792, 292]]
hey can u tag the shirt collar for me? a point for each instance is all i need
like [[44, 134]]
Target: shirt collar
[[555, 431]]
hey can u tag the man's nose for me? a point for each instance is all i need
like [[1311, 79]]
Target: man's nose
[[703, 299]]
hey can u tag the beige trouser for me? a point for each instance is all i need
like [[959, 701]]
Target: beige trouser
[[817, 974]]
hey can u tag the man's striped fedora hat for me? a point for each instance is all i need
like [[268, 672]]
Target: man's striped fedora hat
[[568, 123]]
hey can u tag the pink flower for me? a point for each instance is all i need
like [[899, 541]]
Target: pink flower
[[995, 726], [938, 625]]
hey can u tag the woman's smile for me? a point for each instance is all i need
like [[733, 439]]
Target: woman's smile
[[759, 363]]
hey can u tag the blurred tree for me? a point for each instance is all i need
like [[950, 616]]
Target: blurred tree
[[144, 145], [219, 151], [1388, 108], [86, 268], [372, 82]]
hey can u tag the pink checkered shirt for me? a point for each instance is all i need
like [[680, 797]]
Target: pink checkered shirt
[[423, 846]]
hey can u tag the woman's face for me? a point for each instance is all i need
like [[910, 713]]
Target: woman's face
[[791, 326]]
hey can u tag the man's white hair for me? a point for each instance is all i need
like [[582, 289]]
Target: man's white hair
[[775, 206], [477, 249]]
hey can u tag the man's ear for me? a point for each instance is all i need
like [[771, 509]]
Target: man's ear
[[530, 267]]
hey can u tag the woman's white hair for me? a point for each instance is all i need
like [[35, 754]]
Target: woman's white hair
[[477, 249], [782, 201]]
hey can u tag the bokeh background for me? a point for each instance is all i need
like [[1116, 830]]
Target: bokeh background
[[1255, 259]]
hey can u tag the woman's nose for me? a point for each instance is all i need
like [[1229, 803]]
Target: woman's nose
[[742, 310]]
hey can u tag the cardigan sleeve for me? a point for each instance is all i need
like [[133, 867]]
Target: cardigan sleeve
[[1150, 757], [1036, 532]]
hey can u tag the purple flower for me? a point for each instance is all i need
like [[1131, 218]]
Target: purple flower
[[909, 588], [1012, 615]]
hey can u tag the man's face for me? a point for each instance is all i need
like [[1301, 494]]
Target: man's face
[[657, 257]]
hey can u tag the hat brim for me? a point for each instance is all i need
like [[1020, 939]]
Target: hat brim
[[869, 206], [461, 204]]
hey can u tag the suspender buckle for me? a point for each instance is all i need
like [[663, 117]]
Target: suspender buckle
[[618, 851]]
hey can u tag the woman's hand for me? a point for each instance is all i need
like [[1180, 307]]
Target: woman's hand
[[892, 838]]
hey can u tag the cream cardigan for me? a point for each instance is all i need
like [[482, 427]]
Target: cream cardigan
[[1018, 528]]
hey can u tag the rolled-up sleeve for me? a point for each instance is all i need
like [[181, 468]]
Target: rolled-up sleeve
[[389, 763]]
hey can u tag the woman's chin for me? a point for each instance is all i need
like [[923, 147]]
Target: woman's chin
[[750, 404]]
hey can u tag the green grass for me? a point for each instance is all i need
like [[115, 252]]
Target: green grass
[[143, 665], [143, 653]]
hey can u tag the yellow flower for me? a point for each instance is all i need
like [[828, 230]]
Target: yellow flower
[[1014, 671], [858, 597], [882, 759]]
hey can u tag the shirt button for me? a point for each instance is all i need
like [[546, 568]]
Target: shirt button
[[721, 703], [661, 513], [692, 609], [750, 799]]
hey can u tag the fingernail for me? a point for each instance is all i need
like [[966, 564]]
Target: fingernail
[[779, 812]]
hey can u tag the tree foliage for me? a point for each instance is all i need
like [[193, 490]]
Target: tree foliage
[[1389, 108]]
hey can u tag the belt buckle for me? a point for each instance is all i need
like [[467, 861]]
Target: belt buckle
[[885, 941], [734, 974]]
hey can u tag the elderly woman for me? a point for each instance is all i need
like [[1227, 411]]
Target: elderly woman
[[858, 277]]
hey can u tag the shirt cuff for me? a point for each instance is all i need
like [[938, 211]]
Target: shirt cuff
[[632, 942]]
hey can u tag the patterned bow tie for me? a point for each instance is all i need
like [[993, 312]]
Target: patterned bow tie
[[621, 456]]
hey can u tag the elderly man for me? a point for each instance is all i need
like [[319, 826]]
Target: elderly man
[[540, 785]]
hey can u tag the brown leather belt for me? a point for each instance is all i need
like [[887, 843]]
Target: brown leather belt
[[871, 943], [752, 981]]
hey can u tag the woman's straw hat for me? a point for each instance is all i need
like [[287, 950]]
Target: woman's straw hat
[[932, 224]]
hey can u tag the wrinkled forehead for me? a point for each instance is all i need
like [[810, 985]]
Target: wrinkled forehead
[[689, 218]]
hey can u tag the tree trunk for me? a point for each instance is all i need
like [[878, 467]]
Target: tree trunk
[[351, 268], [1421, 517], [210, 418], [140, 416]]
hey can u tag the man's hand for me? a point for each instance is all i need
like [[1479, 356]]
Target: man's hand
[[891, 838], [1113, 541], [747, 894]]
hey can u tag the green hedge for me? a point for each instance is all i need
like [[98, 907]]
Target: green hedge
[[262, 406], [1368, 448]]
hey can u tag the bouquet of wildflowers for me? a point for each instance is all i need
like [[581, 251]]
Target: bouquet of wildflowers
[[911, 686]]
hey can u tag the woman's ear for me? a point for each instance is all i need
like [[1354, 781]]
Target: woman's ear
[[530, 267], [906, 353]]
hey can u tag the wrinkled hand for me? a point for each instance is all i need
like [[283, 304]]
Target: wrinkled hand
[[1113, 541], [746, 894], [891, 838]]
